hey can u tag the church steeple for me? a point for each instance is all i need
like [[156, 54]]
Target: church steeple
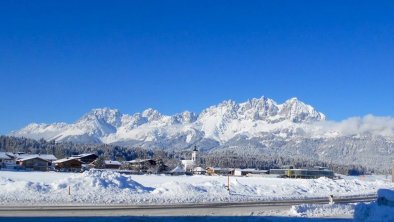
[[194, 154]]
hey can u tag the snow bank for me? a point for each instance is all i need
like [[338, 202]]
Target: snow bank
[[380, 210], [93, 187], [107, 187], [386, 194], [98, 187], [98, 180], [322, 210]]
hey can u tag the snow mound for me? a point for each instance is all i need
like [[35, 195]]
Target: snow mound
[[380, 210], [386, 194], [9, 185], [99, 180], [322, 210], [21, 191]]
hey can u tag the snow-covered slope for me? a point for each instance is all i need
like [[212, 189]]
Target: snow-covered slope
[[219, 123]]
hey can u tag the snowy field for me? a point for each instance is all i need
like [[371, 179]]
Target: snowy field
[[106, 187]]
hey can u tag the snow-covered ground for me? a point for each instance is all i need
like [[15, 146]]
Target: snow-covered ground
[[106, 187], [322, 210]]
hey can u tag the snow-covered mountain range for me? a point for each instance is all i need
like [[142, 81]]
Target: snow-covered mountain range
[[261, 125], [220, 123]]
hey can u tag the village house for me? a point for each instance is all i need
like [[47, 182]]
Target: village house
[[70, 164], [107, 164], [146, 166], [307, 173], [86, 158], [48, 157], [214, 171], [12, 160], [33, 163], [6, 160], [104, 164], [199, 171], [112, 164], [141, 164], [249, 172], [177, 171]]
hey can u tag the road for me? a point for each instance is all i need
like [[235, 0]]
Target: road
[[209, 209]]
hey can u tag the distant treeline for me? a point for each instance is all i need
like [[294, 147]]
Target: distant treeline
[[228, 159], [218, 158]]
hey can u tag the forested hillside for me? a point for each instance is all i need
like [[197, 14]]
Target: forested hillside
[[219, 158]]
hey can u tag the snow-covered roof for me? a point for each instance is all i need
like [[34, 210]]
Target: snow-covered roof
[[178, 169], [4, 156], [66, 159], [214, 168], [219, 169], [139, 161], [13, 155], [250, 170], [247, 169], [84, 155], [48, 157], [112, 162], [199, 169], [188, 162], [32, 157]]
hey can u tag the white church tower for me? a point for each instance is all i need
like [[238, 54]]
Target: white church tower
[[190, 164], [194, 155]]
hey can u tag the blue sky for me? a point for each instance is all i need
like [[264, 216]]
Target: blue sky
[[59, 59]]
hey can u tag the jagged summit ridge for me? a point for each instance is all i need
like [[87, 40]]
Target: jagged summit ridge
[[219, 123], [265, 109], [297, 111], [110, 116]]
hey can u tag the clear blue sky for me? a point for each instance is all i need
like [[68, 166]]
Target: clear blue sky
[[59, 59]]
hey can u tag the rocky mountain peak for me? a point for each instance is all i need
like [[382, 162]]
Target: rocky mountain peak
[[151, 114], [297, 111], [258, 109], [110, 116], [186, 117]]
